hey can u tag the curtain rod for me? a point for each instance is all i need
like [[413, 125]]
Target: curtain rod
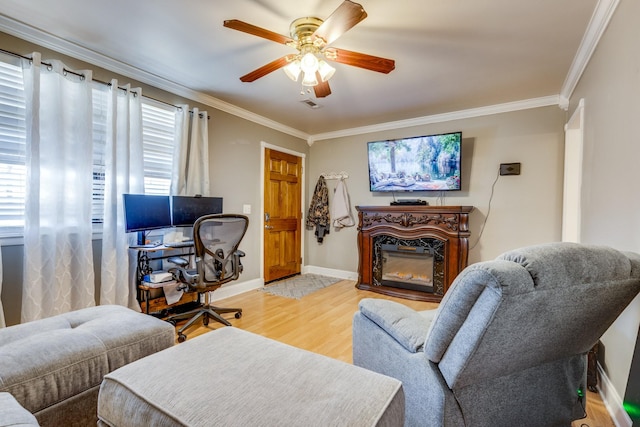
[[75, 73]]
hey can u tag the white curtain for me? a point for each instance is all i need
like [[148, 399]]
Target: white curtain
[[181, 147], [198, 167], [2, 322], [58, 260], [124, 173]]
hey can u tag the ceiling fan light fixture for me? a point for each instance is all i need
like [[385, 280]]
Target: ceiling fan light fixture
[[292, 70], [309, 79], [326, 71], [309, 63]]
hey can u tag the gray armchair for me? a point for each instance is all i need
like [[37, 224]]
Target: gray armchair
[[507, 345]]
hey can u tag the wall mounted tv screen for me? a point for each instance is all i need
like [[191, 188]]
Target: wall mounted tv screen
[[420, 163], [145, 212], [186, 209]]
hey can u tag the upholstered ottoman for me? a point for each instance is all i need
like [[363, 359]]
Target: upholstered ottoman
[[53, 367], [230, 377]]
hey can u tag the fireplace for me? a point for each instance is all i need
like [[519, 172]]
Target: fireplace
[[408, 267], [411, 251], [415, 264]]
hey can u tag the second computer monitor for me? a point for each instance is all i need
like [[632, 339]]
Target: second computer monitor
[[186, 209]]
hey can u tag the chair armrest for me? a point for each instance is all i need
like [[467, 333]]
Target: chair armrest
[[405, 325], [183, 276], [178, 261]]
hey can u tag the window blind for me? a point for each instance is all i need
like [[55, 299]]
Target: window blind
[[158, 127], [12, 149]]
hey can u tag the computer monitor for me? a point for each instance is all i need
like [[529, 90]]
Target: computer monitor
[[187, 209], [144, 212]]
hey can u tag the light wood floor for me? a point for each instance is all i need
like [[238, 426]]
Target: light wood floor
[[321, 323]]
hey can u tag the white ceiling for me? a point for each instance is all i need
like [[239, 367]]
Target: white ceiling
[[451, 55]]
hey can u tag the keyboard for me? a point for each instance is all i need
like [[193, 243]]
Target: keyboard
[[147, 246], [184, 244]]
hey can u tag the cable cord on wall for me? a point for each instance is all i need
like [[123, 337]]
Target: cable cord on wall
[[493, 186]]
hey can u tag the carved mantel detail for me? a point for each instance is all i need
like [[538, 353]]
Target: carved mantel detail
[[448, 224], [406, 219]]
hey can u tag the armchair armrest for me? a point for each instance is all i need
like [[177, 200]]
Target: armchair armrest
[[405, 325]]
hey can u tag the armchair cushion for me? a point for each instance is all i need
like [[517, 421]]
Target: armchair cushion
[[405, 325], [13, 414]]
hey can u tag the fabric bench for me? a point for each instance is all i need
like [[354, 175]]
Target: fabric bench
[[54, 367], [231, 377]]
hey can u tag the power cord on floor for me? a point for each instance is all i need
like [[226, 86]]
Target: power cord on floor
[[493, 186]]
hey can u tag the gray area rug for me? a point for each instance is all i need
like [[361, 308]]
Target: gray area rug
[[298, 286]]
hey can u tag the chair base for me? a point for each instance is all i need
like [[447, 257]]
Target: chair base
[[206, 312]]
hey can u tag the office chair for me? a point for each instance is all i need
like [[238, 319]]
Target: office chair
[[216, 239]]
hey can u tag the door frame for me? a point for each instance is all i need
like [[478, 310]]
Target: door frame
[[573, 164], [263, 146]]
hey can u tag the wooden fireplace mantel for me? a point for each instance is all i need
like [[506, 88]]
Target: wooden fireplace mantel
[[448, 224]]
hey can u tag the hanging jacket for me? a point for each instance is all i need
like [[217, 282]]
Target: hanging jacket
[[341, 207], [318, 215]]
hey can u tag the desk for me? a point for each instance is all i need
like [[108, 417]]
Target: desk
[[152, 300]]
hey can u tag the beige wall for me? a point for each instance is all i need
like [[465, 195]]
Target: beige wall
[[610, 87], [525, 209]]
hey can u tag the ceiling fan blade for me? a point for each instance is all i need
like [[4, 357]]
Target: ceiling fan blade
[[235, 24], [266, 69], [362, 60], [322, 89], [345, 17]]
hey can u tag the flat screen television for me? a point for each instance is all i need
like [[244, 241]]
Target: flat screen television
[[144, 212], [185, 209], [419, 163]]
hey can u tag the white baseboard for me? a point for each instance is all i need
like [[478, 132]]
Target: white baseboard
[[340, 274], [236, 288], [612, 400]]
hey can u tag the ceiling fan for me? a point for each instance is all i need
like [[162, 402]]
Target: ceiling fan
[[312, 36]]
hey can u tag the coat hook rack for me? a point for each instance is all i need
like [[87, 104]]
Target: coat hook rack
[[333, 175]]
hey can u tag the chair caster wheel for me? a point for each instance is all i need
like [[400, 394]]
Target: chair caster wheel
[[182, 337], [173, 322], [238, 315], [205, 321]]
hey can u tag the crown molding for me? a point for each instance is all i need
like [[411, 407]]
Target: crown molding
[[597, 25], [49, 41], [439, 118]]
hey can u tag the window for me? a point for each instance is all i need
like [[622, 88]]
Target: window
[[12, 149], [158, 123]]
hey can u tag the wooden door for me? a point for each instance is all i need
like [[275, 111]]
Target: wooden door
[[282, 215]]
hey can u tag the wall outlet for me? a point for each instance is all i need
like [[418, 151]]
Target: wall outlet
[[509, 168], [246, 209]]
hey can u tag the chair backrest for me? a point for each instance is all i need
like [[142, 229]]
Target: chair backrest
[[529, 307], [216, 239]]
